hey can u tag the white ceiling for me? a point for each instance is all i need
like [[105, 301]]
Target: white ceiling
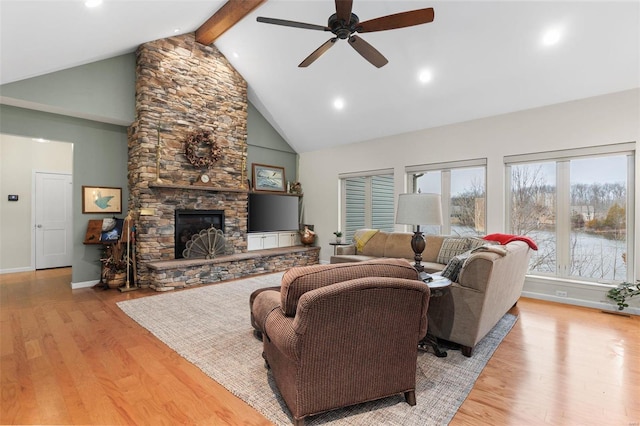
[[486, 58]]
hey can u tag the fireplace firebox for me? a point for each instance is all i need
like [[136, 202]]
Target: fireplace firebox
[[191, 222]]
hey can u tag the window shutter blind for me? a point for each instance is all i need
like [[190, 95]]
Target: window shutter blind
[[382, 203], [368, 203], [355, 192]]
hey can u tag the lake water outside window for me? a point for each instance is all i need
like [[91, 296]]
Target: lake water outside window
[[577, 210]]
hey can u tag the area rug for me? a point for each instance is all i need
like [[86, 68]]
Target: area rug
[[210, 327]]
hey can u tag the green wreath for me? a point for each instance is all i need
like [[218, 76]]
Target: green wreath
[[197, 139]]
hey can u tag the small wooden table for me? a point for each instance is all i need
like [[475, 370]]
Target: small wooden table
[[439, 285]]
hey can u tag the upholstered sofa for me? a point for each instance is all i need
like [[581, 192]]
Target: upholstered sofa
[[487, 286], [373, 244], [487, 276], [338, 335]]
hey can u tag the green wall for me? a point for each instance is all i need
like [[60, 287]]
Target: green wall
[[91, 107], [102, 91], [266, 146], [99, 158]]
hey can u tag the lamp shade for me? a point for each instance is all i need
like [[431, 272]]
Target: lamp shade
[[419, 209]]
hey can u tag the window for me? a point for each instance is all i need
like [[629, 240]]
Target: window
[[577, 207], [368, 201], [462, 187]]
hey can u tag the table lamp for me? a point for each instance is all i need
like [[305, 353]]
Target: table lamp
[[419, 209]]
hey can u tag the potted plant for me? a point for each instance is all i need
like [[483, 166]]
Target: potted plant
[[114, 265], [338, 235], [623, 292]]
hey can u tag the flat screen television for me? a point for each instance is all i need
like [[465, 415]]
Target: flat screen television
[[273, 212]]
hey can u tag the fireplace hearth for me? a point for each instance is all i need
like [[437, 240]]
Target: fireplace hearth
[[191, 222]]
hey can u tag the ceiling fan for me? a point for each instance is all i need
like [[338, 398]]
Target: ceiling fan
[[344, 24]]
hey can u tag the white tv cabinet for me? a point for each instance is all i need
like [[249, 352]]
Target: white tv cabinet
[[267, 240]]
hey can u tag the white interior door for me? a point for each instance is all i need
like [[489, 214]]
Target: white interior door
[[53, 220]]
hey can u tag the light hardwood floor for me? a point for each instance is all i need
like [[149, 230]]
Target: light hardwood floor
[[73, 357]]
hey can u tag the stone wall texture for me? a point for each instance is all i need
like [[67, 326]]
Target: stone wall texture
[[174, 275], [183, 86]]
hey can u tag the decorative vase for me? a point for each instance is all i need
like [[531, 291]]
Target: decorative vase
[[307, 237]]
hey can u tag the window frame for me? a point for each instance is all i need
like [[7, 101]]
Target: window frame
[[445, 169], [562, 159]]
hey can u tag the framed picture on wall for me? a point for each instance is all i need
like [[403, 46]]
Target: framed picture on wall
[[101, 199], [268, 178]]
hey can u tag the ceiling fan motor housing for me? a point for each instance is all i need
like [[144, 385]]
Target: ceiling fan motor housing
[[342, 29]]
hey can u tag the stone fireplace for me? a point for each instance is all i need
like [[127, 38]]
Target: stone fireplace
[[189, 223], [182, 87]]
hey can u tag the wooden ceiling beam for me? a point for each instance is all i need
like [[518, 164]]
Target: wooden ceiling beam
[[226, 17]]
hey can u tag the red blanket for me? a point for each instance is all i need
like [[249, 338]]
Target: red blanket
[[507, 238]]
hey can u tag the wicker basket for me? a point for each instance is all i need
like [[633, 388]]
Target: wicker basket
[[116, 279]]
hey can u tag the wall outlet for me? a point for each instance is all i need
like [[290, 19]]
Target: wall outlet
[[561, 293]]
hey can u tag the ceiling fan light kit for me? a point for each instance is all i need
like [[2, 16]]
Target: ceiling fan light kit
[[344, 24]]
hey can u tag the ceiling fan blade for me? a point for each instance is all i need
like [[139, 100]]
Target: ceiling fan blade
[[368, 51], [295, 24], [343, 10], [397, 20], [318, 52]]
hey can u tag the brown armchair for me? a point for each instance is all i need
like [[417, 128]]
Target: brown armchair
[[332, 341]]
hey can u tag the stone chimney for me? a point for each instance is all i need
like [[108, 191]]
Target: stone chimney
[[183, 86]]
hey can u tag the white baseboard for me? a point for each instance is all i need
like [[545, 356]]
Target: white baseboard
[[84, 284], [579, 302], [14, 270]]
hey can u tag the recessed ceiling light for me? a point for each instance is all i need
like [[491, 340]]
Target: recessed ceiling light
[[176, 30], [338, 103], [40, 140], [235, 55], [92, 3], [551, 36], [425, 76]]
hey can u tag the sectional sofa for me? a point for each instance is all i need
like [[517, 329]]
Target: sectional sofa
[[487, 276]]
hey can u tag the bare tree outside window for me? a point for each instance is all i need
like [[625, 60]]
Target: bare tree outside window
[[597, 234], [466, 189], [468, 208], [533, 207]]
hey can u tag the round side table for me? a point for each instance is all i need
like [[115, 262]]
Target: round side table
[[335, 246], [439, 286]]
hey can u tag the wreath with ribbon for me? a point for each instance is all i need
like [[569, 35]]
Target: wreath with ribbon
[[197, 139]]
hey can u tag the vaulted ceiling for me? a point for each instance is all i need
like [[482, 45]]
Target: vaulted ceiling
[[476, 59]]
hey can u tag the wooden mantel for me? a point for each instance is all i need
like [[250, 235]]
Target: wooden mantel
[[197, 187]]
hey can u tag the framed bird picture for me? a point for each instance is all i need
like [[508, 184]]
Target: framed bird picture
[[101, 199], [268, 178]]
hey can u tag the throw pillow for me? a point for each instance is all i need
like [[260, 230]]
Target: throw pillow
[[452, 247], [453, 268], [476, 242]]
